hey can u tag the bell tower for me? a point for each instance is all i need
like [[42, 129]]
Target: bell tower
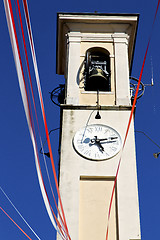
[[94, 53]]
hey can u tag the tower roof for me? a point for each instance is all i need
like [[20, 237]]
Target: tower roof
[[86, 22]]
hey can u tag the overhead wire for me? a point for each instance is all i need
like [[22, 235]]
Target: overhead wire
[[15, 223], [19, 213], [31, 87], [18, 62], [27, 106], [42, 108], [45, 123], [59, 214], [130, 120]]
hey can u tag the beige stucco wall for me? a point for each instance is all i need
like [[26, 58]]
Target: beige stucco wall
[[73, 166], [93, 206], [77, 33]]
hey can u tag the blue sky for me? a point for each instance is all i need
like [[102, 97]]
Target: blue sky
[[18, 175]]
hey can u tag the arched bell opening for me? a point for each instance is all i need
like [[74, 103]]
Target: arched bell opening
[[97, 70]]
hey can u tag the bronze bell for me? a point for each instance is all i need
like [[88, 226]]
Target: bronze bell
[[98, 73], [97, 80]]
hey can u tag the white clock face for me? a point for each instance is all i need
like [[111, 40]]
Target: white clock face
[[97, 142]]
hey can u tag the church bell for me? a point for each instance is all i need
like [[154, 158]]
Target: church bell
[[98, 80], [96, 71]]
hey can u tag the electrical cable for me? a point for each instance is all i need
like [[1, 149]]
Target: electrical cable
[[42, 106], [130, 119], [19, 213], [24, 44], [15, 223], [148, 138], [18, 62], [87, 124]]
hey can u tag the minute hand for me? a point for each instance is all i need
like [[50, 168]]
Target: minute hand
[[103, 139]]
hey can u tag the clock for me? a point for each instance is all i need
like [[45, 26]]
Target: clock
[[97, 142]]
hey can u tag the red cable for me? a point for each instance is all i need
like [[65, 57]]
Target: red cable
[[45, 122], [44, 118], [15, 223], [130, 119], [30, 118], [26, 55]]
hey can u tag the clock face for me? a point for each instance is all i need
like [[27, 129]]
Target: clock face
[[97, 142]]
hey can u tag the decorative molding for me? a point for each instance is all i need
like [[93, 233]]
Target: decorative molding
[[89, 107], [97, 37], [120, 38], [74, 37], [76, 17]]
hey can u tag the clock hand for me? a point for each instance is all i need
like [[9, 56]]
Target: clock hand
[[100, 146], [96, 141], [86, 140], [110, 138]]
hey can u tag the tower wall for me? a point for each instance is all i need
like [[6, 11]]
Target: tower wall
[[86, 182]]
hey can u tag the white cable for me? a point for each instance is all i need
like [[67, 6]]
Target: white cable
[[44, 158], [26, 107], [19, 212]]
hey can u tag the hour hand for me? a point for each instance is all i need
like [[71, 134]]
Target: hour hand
[[96, 141], [100, 146]]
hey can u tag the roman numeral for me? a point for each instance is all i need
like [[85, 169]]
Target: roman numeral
[[98, 128], [87, 152]]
